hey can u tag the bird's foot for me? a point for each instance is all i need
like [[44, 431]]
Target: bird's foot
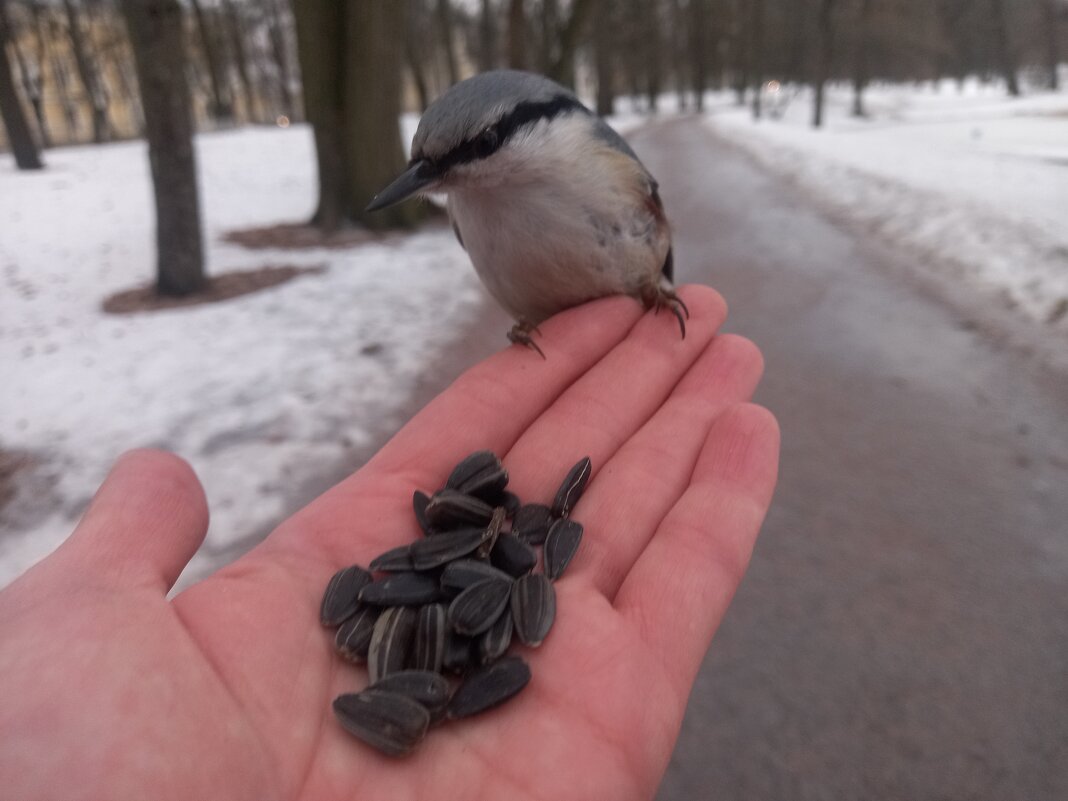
[[664, 297], [521, 335]]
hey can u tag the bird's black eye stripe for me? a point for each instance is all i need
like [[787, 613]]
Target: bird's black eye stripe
[[490, 140]]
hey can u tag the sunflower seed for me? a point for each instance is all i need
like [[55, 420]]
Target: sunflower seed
[[395, 560], [493, 642], [449, 509], [560, 546], [510, 501], [402, 589], [430, 629], [475, 609], [513, 556], [481, 474], [489, 686], [441, 549], [493, 530], [533, 608], [531, 523], [388, 721], [571, 490], [341, 598], [458, 652], [462, 573], [428, 688], [354, 636], [419, 502], [391, 642]]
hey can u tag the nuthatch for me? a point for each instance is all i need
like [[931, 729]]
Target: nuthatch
[[552, 205]]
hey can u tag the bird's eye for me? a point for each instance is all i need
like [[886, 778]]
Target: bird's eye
[[486, 143]]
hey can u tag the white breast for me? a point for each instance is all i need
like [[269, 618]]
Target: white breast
[[551, 221]]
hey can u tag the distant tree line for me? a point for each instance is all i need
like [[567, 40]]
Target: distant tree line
[[81, 70]]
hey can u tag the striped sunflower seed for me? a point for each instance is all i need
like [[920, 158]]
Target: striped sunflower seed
[[451, 509], [441, 549], [354, 637], [489, 686], [395, 560], [427, 687], [462, 573], [391, 642], [560, 546], [481, 474], [493, 642], [430, 629], [342, 595], [533, 608], [513, 556], [402, 589], [458, 652], [571, 490], [475, 609], [531, 523], [391, 722], [419, 502]]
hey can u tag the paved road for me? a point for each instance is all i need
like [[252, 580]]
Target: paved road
[[903, 630]]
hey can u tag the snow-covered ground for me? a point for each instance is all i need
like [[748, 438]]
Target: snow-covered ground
[[972, 183], [255, 392]]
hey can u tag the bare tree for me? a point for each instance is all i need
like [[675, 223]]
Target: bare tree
[[824, 57], [87, 72], [569, 35], [517, 35], [235, 31], [1003, 47], [756, 54], [487, 36], [414, 52], [157, 38], [1050, 18], [17, 126], [221, 107], [698, 27], [446, 32], [351, 70], [861, 48], [277, 12], [604, 56], [31, 72]]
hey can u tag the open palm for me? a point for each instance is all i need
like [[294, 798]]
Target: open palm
[[113, 691]]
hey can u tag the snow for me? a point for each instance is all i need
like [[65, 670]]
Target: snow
[[972, 183], [255, 391]]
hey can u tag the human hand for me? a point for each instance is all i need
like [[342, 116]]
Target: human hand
[[113, 691]]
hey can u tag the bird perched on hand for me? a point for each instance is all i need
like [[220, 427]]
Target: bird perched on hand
[[552, 205]]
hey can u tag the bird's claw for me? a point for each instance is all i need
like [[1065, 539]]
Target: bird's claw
[[661, 297], [521, 335]]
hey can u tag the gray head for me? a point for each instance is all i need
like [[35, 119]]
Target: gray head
[[471, 122]]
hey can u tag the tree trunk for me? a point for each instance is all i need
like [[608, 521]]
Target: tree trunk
[[236, 33], [487, 37], [1053, 56], [277, 37], [94, 89], [41, 58], [446, 31], [15, 123], [860, 57], [517, 35], [698, 51], [756, 55], [1003, 48], [603, 55], [824, 57], [413, 53], [562, 69], [156, 35], [221, 108]]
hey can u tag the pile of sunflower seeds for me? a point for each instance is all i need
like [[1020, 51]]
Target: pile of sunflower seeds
[[451, 604]]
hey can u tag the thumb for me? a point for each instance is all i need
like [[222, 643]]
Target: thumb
[[144, 524]]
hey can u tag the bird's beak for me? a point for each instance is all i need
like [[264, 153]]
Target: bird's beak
[[418, 176]]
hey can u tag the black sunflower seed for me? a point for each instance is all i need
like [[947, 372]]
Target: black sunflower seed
[[493, 642], [462, 573], [402, 589], [493, 530], [560, 546], [533, 608], [475, 609], [354, 637], [512, 555], [450, 509], [441, 549], [391, 642], [388, 721], [458, 652], [509, 500], [430, 629], [419, 502], [481, 474], [531, 523], [427, 687], [341, 598], [395, 560], [489, 686], [571, 490]]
